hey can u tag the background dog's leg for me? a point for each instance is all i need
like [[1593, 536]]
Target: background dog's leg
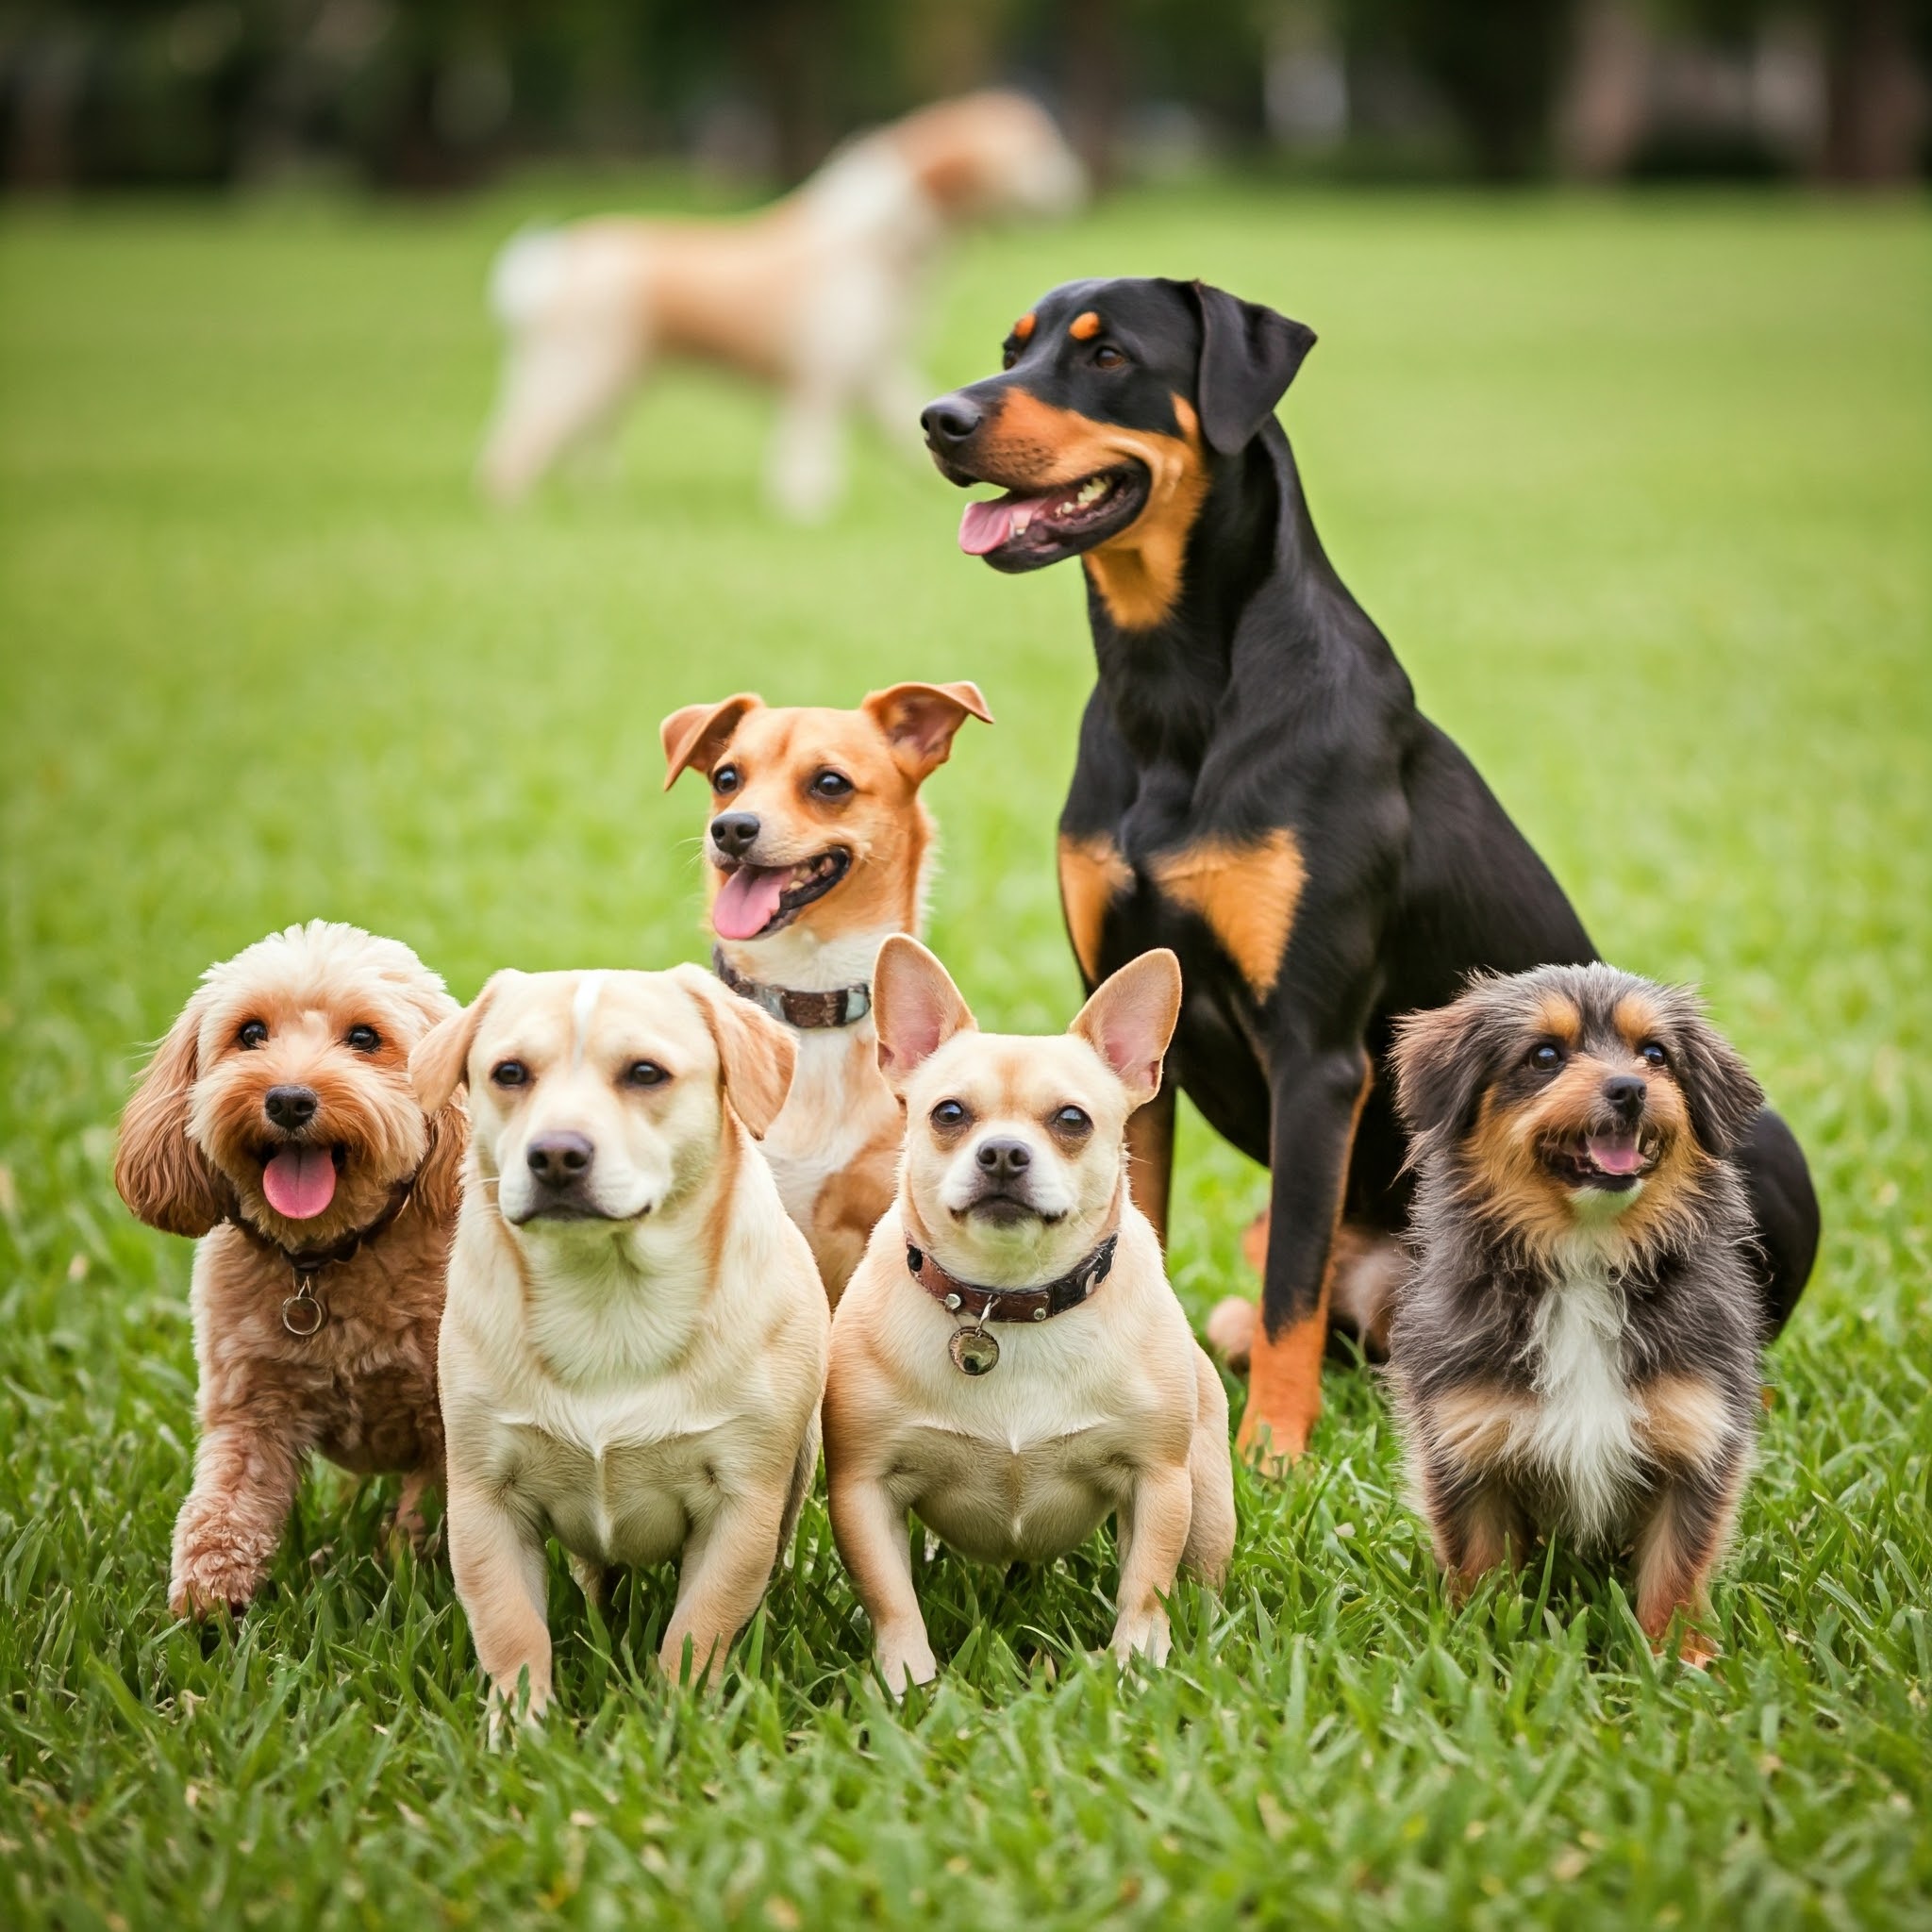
[[501, 1576], [1154, 1533], [1676, 1551], [246, 1470], [871, 1532], [807, 472], [727, 1564], [1211, 1530], [1150, 1158], [558, 387], [894, 392]]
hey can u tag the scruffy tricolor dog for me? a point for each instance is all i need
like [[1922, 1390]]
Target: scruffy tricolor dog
[[1576, 1347], [278, 1121], [820, 846], [1009, 1362], [1256, 791]]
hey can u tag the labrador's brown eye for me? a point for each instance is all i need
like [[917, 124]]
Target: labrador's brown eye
[[252, 1034], [511, 1073], [644, 1074]]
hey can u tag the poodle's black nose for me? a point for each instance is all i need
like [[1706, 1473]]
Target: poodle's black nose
[[734, 833], [560, 1160], [1625, 1093], [290, 1108], [1003, 1158], [951, 421]]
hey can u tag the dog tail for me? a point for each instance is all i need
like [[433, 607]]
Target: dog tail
[[526, 277]]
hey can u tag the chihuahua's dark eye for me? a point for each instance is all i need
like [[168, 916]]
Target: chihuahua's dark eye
[[1072, 1120], [948, 1114], [1107, 357], [831, 784], [725, 781], [644, 1074], [1546, 1056], [1652, 1054], [252, 1035], [511, 1073], [363, 1039]]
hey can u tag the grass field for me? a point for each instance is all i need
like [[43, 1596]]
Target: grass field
[[1641, 493]]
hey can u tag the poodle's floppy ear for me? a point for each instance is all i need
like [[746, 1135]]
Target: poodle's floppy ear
[[919, 720], [440, 1061], [159, 1171], [1249, 356], [755, 1055], [1131, 1018], [1441, 1061], [915, 1007], [1720, 1094], [696, 735]]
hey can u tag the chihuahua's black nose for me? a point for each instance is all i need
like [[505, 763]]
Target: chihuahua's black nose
[[1002, 1159], [1625, 1093], [951, 421], [734, 833], [290, 1107], [559, 1160]]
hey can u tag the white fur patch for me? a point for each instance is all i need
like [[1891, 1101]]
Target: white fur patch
[[583, 1004]]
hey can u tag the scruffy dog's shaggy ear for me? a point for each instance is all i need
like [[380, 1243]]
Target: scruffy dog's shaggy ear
[[755, 1054], [695, 737], [157, 1170], [1439, 1062], [1249, 356], [440, 1061], [916, 1007], [1720, 1094], [1131, 1018], [919, 720]]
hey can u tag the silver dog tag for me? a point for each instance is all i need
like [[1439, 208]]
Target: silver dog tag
[[302, 1314], [974, 1351]]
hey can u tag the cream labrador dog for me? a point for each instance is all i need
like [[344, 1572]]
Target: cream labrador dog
[[633, 1348], [1009, 1361]]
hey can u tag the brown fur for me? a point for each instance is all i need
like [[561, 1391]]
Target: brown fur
[[1247, 893], [1092, 876], [362, 1390]]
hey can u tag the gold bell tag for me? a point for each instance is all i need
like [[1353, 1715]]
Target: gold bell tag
[[974, 1351]]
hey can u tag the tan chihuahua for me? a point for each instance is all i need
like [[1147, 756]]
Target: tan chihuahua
[[1009, 1362], [820, 847]]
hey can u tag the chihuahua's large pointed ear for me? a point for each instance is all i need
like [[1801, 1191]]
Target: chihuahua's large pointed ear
[[1249, 356], [915, 1007], [755, 1055], [696, 735], [159, 1171], [440, 1061], [919, 720], [1441, 1061], [1130, 1019]]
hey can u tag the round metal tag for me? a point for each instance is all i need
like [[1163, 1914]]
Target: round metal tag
[[302, 1316], [974, 1351]]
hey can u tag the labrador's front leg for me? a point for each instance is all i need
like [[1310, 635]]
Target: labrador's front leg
[[501, 1579], [1154, 1523], [727, 1564]]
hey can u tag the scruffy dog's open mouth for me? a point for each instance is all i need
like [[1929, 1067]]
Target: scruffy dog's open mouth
[[1611, 1162], [298, 1177], [1028, 528], [756, 900]]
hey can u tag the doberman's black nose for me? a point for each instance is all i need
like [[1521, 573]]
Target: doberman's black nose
[[1625, 1093], [951, 421], [561, 1160], [290, 1108], [1004, 1158], [734, 833]]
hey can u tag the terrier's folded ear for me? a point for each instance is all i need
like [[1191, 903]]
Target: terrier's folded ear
[[919, 720], [694, 738]]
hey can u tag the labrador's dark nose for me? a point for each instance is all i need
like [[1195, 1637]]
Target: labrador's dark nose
[[734, 833], [951, 421], [1002, 1159], [1626, 1094], [560, 1160], [290, 1108]]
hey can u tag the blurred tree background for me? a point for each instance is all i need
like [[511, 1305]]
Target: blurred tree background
[[432, 94]]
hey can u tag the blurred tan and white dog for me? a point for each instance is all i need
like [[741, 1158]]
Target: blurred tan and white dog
[[817, 296], [1009, 1362], [634, 1347]]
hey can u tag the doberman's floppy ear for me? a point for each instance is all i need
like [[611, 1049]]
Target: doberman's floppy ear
[[440, 1061], [915, 1007], [1720, 1094], [919, 720], [159, 1171], [755, 1055], [1249, 356], [696, 735], [1131, 1018], [1441, 1062]]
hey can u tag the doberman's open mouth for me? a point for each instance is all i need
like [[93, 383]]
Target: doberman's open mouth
[[1025, 530], [1612, 1162], [756, 900]]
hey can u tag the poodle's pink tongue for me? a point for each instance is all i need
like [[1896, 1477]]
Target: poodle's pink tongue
[[1616, 1153], [299, 1182], [747, 902]]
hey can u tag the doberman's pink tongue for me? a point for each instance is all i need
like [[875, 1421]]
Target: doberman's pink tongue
[[986, 525], [299, 1182], [747, 902], [1616, 1153]]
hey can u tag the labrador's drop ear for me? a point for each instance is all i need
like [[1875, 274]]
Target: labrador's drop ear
[[1130, 1019], [695, 737], [1249, 356], [915, 1007], [159, 1171], [755, 1055], [919, 720], [440, 1061]]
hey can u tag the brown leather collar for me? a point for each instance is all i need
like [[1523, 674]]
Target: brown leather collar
[[1013, 1304], [306, 1264], [843, 1006]]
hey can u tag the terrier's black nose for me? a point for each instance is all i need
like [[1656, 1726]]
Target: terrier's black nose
[[1004, 1158], [290, 1107], [950, 421], [1625, 1093], [559, 1160], [734, 833]]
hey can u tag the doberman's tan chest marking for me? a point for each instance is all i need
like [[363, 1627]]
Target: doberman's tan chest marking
[[1092, 876], [1246, 891]]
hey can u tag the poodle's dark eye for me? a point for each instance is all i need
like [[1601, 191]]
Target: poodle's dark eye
[[1652, 1055], [725, 781], [1546, 1056], [363, 1039], [831, 784], [511, 1073], [252, 1034], [949, 1114], [1107, 357], [1072, 1120], [644, 1074]]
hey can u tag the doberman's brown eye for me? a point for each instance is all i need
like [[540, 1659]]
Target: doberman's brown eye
[[1009, 356], [1107, 357]]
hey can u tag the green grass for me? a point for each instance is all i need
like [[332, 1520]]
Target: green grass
[[1641, 492]]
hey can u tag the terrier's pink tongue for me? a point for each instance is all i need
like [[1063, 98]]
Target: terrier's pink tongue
[[986, 525], [1615, 1155], [299, 1182], [747, 902]]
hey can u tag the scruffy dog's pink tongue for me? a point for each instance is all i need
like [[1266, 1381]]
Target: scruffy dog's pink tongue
[[1616, 1153], [299, 1182], [747, 902]]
